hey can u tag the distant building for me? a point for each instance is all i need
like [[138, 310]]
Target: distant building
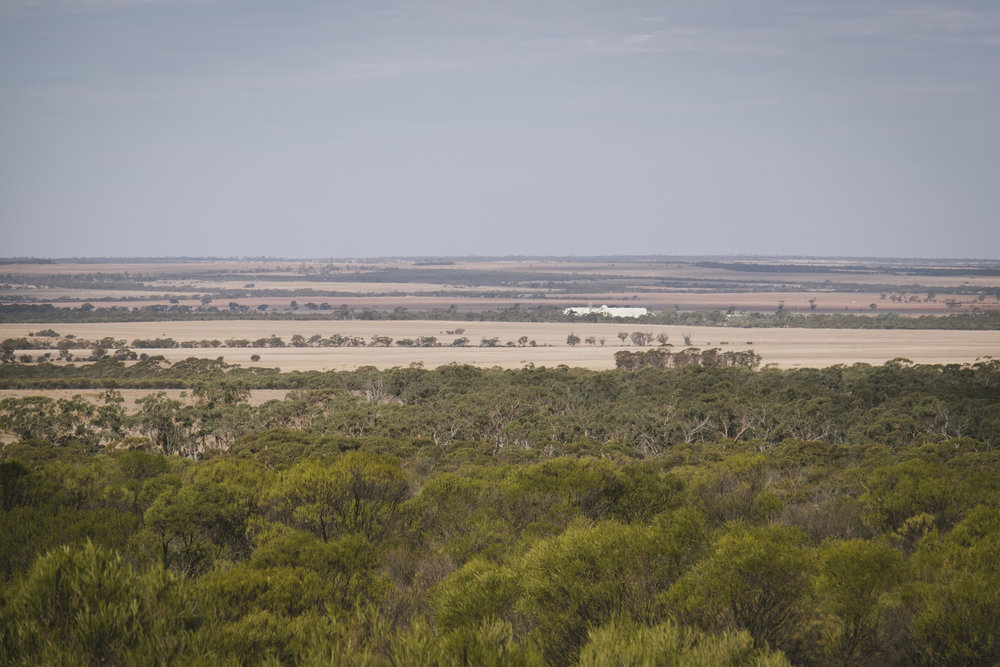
[[606, 311]]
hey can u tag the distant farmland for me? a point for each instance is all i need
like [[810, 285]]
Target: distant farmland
[[395, 299], [787, 348], [910, 287]]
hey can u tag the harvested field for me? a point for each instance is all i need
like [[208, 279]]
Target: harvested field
[[787, 348], [796, 286]]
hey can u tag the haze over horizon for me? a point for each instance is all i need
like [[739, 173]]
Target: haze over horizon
[[725, 258], [148, 128]]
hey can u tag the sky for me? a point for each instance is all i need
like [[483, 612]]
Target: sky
[[369, 128]]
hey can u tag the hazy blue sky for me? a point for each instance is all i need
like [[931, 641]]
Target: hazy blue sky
[[362, 128]]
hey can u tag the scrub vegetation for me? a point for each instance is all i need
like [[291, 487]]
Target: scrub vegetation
[[704, 512]]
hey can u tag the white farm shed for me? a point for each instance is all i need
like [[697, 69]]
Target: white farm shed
[[606, 311]]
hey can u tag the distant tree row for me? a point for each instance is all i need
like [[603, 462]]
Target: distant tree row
[[702, 395], [665, 358], [47, 313], [120, 348]]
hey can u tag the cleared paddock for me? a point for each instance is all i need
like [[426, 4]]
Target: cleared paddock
[[786, 348]]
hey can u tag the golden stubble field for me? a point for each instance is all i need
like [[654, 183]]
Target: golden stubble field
[[786, 348]]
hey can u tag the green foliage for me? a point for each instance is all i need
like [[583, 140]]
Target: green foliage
[[14, 484], [192, 525], [691, 515], [30, 531], [475, 593], [629, 645], [346, 566], [524, 414], [913, 487], [958, 616], [592, 574], [293, 574], [84, 605], [854, 582], [490, 643], [754, 579], [165, 421], [599, 489], [737, 490], [276, 447], [359, 493]]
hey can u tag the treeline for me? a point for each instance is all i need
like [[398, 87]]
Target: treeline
[[176, 293], [705, 398], [662, 357], [103, 345], [968, 320], [542, 516], [121, 350], [47, 313]]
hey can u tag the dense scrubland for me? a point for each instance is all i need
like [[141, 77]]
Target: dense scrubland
[[702, 513]]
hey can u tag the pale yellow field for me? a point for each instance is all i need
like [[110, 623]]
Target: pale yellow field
[[787, 348], [257, 396]]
